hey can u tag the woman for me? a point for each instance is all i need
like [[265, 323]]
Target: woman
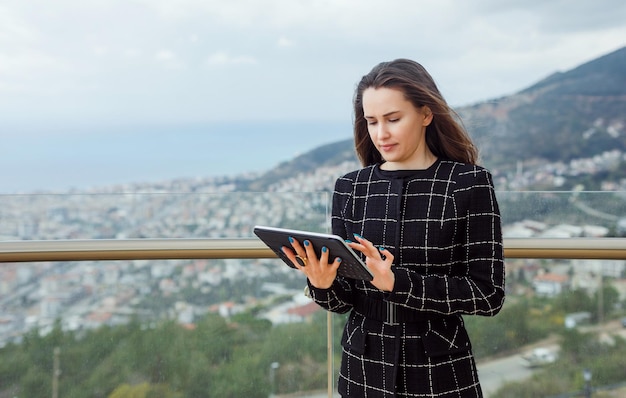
[[425, 217]]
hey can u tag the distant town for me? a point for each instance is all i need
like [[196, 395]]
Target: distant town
[[84, 295]]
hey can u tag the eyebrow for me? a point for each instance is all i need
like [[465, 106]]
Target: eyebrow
[[385, 115]]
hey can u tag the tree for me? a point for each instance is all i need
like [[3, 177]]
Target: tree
[[574, 301], [143, 390], [36, 383], [610, 298], [128, 391], [576, 346]]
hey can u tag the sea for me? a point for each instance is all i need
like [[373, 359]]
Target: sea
[[63, 158]]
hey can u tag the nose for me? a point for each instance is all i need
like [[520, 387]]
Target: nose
[[381, 130]]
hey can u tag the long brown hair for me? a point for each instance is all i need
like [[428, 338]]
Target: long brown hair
[[445, 136]]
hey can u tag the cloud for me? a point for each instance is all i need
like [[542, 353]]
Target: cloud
[[29, 64], [165, 55], [132, 53], [349, 17], [15, 29], [169, 59], [127, 50], [558, 16], [284, 42], [100, 51], [224, 59]]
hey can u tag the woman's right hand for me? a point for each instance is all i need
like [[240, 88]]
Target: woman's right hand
[[320, 272], [378, 260]]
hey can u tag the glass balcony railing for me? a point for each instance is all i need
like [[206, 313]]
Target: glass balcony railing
[[170, 294]]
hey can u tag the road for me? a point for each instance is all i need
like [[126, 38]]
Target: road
[[494, 373]]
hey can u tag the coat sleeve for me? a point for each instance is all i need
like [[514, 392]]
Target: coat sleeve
[[337, 298], [476, 284]]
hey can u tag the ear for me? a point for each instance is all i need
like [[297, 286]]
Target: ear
[[428, 116]]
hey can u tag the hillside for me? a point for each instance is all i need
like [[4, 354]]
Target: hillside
[[568, 115], [326, 155], [574, 114]]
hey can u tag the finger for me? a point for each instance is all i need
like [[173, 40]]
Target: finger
[[296, 246], [385, 254], [310, 252], [296, 260], [356, 246], [291, 256], [287, 251], [363, 241], [367, 247], [324, 256], [335, 265]]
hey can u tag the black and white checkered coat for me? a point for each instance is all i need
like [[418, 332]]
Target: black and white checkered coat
[[443, 227]]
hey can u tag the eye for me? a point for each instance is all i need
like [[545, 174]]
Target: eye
[[394, 120], [371, 122]]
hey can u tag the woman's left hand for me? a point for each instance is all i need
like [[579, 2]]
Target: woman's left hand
[[378, 260], [321, 272]]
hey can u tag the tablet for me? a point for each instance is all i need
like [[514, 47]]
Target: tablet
[[351, 264]]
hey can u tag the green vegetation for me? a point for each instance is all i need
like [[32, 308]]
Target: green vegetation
[[543, 318], [217, 358], [233, 358], [523, 321], [579, 351]]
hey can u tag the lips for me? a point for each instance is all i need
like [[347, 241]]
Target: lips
[[386, 148]]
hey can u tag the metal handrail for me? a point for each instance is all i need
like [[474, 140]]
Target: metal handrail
[[566, 248], [150, 249]]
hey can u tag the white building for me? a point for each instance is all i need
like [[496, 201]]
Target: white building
[[550, 284]]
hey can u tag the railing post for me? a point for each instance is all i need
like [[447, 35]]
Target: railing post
[[56, 372], [329, 338]]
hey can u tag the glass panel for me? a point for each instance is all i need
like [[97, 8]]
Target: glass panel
[[231, 327], [175, 328], [185, 327], [562, 320], [556, 321]]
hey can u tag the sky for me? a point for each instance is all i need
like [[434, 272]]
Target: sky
[[206, 60], [174, 62]]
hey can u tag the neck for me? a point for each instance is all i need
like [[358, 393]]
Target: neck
[[420, 163]]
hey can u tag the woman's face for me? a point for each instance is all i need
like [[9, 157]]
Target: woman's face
[[397, 128]]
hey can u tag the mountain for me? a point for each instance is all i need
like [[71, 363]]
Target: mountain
[[568, 115], [324, 156]]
